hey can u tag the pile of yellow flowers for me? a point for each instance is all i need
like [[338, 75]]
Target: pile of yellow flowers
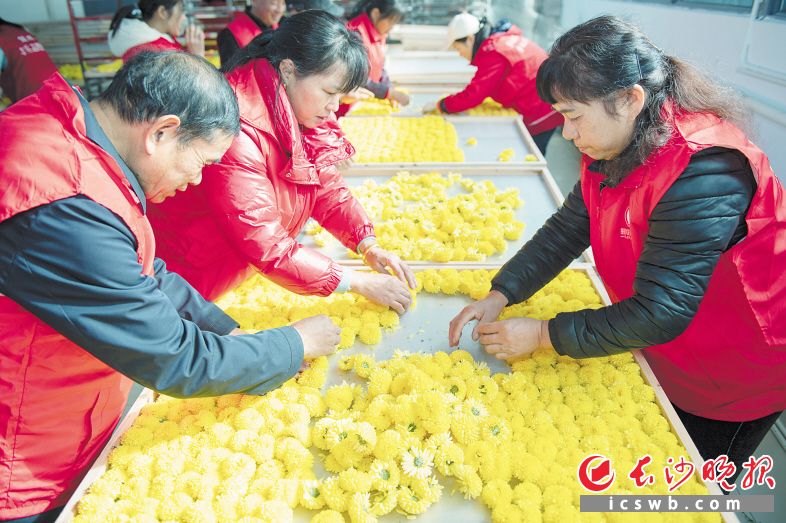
[[416, 218], [374, 106], [380, 139], [213, 58], [259, 304], [490, 108], [395, 434], [71, 72]]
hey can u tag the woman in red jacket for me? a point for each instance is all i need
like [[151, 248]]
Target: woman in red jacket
[[279, 173], [153, 25], [373, 20], [687, 223], [507, 64]]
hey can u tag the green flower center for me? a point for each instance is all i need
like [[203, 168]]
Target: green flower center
[[418, 461], [454, 389], [385, 475], [342, 435], [475, 411], [495, 430], [412, 427]]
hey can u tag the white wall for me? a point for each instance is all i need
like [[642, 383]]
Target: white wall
[[712, 40], [33, 11]]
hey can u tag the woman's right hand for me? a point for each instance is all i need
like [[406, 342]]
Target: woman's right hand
[[319, 334], [383, 289], [485, 311], [195, 40]]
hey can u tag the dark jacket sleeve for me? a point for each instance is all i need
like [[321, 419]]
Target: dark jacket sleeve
[[381, 88], [190, 304], [227, 46], [559, 241], [701, 216], [73, 264]]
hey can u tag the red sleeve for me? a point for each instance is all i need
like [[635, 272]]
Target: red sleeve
[[490, 74], [244, 204], [339, 212]]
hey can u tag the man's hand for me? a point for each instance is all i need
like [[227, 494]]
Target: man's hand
[[319, 334]]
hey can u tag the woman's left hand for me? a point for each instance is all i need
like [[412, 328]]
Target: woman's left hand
[[381, 260], [513, 338]]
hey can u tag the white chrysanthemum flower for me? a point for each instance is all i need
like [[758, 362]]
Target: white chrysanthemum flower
[[417, 462]]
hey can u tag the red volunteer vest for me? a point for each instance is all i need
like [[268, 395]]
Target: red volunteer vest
[[28, 63], [730, 363], [59, 403], [244, 29]]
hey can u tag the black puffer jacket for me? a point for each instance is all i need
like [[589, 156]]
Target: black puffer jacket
[[701, 216]]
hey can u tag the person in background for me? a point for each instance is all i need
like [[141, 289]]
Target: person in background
[[86, 307], [687, 224], [24, 63], [323, 5], [153, 25], [279, 173], [373, 20], [260, 16], [507, 63]]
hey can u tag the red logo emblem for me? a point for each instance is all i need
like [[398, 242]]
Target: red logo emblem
[[592, 477]]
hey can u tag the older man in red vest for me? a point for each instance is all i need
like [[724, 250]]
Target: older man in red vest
[[85, 306], [261, 15]]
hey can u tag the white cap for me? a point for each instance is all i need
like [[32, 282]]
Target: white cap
[[462, 26]]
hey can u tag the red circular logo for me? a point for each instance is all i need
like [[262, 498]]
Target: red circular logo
[[592, 472]]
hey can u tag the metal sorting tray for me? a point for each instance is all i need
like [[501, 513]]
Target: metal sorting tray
[[493, 135], [420, 95], [537, 189], [422, 329]]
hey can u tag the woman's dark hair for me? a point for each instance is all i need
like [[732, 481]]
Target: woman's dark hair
[[603, 57], [387, 8], [153, 84], [143, 10], [485, 31], [315, 41]]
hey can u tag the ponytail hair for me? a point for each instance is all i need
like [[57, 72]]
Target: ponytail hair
[[143, 10], [604, 57], [387, 8], [315, 41]]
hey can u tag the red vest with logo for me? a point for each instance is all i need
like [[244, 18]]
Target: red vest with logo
[[244, 29], [730, 363], [59, 403], [28, 63]]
